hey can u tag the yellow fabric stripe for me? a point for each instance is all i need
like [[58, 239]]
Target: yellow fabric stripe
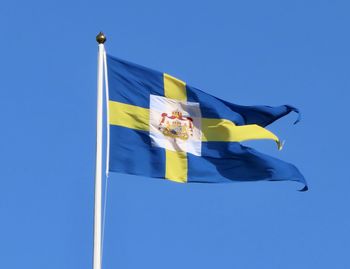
[[128, 116], [175, 161], [176, 166], [174, 88], [226, 131]]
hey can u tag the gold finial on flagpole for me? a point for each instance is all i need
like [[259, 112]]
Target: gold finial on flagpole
[[101, 38]]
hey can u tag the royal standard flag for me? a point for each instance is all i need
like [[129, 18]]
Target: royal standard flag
[[161, 127]]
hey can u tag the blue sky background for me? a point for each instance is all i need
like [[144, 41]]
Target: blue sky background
[[246, 52]]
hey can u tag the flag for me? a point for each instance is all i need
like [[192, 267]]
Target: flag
[[161, 127]]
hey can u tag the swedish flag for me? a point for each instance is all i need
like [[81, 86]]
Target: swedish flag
[[161, 127]]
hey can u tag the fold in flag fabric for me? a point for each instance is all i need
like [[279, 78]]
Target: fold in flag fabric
[[161, 127]]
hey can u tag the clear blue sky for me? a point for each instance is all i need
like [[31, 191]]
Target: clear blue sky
[[246, 52]]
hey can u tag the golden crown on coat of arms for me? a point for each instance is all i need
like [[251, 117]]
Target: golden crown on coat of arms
[[177, 114]]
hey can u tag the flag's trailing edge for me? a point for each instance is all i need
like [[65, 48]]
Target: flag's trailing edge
[[161, 127]]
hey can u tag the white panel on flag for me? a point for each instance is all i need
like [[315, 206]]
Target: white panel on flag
[[175, 125]]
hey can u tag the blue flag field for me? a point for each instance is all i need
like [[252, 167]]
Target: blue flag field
[[164, 128]]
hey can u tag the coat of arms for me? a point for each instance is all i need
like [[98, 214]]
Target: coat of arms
[[176, 125]]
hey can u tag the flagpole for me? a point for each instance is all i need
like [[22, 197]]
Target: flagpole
[[101, 39]]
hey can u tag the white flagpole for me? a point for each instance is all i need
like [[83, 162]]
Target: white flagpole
[[101, 39]]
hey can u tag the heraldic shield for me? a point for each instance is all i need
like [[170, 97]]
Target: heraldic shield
[[176, 126]]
